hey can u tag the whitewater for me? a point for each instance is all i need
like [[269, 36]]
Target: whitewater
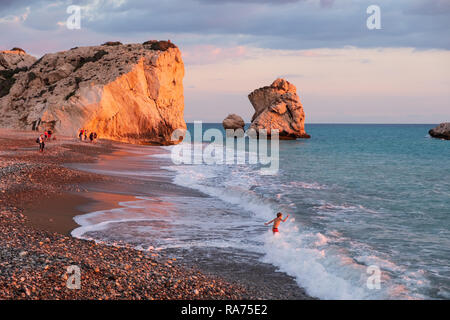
[[359, 197]]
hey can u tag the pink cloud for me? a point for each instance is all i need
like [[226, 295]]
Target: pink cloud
[[207, 54]]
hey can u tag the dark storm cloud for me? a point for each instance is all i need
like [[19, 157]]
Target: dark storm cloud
[[280, 24]]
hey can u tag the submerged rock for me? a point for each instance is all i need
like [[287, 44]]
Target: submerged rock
[[131, 92], [442, 131], [278, 107]]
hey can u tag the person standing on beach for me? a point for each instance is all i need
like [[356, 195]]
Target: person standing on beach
[[81, 134], [276, 222], [41, 143]]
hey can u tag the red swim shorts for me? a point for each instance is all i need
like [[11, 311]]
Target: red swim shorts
[[275, 230]]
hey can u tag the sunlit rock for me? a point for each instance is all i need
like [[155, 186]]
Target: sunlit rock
[[278, 107], [131, 92]]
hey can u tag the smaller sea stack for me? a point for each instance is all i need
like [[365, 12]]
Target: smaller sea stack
[[442, 131]]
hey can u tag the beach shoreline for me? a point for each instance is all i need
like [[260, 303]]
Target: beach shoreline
[[35, 258], [40, 196]]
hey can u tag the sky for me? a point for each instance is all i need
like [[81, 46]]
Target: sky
[[344, 72]]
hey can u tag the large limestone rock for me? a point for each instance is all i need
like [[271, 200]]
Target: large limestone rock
[[131, 93], [442, 131], [278, 107], [233, 121]]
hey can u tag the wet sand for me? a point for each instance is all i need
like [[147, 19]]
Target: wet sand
[[56, 214]]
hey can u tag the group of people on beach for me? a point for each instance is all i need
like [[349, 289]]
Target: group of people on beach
[[43, 138], [84, 135]]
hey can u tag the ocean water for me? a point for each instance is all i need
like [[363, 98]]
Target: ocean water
[[361, 198]]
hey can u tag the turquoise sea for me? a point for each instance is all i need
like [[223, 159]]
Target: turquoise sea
[[362, 198]]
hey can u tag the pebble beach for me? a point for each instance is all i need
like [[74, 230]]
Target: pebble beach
[[34, 258]]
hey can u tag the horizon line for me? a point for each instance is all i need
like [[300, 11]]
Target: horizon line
[[383, 123]]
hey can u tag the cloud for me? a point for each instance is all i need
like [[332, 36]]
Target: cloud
[[289, 24], [207, 54], [6, 5], [326, 3], [275, 2], [429, 7], [285, 24], [16, 18]]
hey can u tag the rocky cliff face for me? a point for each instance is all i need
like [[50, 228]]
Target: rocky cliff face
[[278, 107], [15, 58], [442, 131], [131, 93], [11, 63]]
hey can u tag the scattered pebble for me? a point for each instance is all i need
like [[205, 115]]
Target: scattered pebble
[[34, 263]]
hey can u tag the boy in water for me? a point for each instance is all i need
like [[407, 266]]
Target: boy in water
[[277, 221]]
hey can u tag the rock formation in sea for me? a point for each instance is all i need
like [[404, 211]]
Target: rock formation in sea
[[233, 121], [278, 107], [124, 92], [442, 131], [234, 125]]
